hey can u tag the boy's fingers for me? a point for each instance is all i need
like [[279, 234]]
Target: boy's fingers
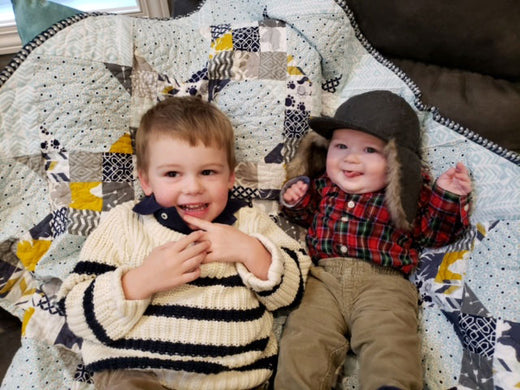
[[192, 263], [200, 223], [198, 248], [184, 242]]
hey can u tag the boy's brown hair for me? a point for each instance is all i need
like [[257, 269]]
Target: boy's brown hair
[[189, 119]]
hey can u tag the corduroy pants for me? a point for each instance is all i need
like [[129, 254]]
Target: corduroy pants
[[352, 304]]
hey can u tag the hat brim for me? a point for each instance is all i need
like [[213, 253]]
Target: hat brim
[[325, 126]]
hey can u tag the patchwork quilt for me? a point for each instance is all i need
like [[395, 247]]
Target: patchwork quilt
[[70, 102]]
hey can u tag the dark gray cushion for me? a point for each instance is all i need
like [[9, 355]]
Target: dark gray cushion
[[477, 35], [487, 106]]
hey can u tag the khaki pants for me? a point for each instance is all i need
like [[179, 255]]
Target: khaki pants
[[134, 380], [127, 380], [348, 300]]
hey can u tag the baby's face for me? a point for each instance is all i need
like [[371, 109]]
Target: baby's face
[[356, 162]]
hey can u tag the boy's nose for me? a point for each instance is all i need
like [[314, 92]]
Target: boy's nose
[[192, 185]]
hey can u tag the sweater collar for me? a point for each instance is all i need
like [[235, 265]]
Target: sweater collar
[[170, 218]]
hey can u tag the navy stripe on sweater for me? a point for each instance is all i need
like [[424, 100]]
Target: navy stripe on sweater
[[205, 314], [92, 268], [208, 368], [169, 348], [229, 281]]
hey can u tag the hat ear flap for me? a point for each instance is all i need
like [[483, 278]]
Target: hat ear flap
[[393, 189], [310, 158]]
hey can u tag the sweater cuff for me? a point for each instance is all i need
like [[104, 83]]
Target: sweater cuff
[[274, 274], [112, 307]]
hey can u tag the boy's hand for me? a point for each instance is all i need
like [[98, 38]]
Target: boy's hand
[[456, 180], [295, 192], [167, 266], [230, 245]]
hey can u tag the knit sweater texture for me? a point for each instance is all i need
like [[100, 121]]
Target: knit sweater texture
[[213, 333]]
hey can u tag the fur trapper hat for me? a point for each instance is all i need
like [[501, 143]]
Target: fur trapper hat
[[387, 116]]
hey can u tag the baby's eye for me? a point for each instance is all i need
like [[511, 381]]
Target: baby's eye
[[370, 149], [172, 174], [341, 146], [208, 172]]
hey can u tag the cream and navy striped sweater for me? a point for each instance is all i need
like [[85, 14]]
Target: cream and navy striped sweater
[[213, 333]]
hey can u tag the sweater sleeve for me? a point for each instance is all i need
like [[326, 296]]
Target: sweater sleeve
[[92, 294], [289, 267]]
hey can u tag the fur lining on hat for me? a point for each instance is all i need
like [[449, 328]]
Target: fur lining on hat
[[393, 188], [310, 158]]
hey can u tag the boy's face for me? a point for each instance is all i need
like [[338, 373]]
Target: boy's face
[[193, 179], [355, 161]]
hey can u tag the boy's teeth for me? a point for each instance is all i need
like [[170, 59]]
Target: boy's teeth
[[193, 206]]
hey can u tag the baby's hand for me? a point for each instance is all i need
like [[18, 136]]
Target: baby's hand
[[456, 180], [295, 193]]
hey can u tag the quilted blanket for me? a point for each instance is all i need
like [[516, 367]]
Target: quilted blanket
[[71, 100]]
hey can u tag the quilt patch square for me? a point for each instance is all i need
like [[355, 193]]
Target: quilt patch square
[[245, 65], [217, 31], [273, 36], [295, 123], [85, 166], [478, 334], [82, 222], [246, 39], [476, 371], [59, 221], [115, 193], [118, 167], [86, 196], [273, 66], [60, 195], [219, 67]]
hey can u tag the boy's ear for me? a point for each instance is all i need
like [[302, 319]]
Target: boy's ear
[[231, 181], [145, 183]]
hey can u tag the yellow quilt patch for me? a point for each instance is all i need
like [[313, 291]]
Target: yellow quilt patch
[[123, 145], [86, 196], [30, 252], [224, 43]]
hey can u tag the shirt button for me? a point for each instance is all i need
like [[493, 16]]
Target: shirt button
[[164, 216], [343, 249], [344, 219], [351, 204], [466, 207]]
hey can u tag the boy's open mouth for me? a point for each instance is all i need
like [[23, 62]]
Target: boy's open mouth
[[194, 206]]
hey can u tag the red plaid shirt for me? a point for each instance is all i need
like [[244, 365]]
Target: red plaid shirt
[[359, 226]]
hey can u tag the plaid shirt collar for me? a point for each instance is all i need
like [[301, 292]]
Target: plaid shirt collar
[[369, 205], [170, 218]]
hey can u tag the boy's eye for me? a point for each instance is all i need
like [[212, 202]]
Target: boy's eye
[[172, 174], [208, 172]]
